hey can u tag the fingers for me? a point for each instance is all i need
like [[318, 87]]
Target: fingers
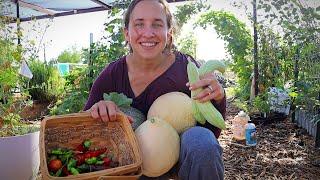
[[211, 88], [104, 110]]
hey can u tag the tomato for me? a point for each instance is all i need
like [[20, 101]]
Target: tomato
[[54, 165]]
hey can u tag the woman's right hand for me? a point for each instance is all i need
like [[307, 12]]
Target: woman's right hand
[[104, 110]]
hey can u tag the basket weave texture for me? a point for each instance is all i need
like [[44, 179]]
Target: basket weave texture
[[68, 131]]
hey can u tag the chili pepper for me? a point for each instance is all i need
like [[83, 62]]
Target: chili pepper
[[95, 153], [84, 146], [92, 160], [80, 159], [74, 171], [57, 151], [106, 161], [72, 163], [65, 171], [87, 144], [79, 148]]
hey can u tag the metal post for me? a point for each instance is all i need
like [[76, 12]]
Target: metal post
[[318, 127], [296, 75], [18, 22], [255, 49], [90, 62]]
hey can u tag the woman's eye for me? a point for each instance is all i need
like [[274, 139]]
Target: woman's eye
[[139, 25], [157, 25]]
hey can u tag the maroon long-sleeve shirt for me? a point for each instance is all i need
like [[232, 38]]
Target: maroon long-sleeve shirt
[[114, 78]]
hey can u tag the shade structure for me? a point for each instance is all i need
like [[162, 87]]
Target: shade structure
[[27, 10]]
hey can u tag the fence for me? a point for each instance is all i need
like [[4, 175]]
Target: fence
[[307, 119], [307, 73]]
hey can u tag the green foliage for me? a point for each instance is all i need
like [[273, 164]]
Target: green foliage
[[184, 13], [73, 102], [120, 100], [98, 56], [238, 42], [46, 84], [69, 56], [260, 104], [299, 29], [10, 57], [188, 44], [273, 49]]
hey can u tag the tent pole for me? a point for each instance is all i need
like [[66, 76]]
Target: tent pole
[[18, 22]]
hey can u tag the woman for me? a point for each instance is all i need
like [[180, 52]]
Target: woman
[[150, 70]]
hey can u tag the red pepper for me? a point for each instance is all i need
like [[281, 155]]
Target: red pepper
[[80, 148], [106, 161], [81, 157], [95, 153], [65, 171]]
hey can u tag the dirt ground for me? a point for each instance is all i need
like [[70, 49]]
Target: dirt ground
[[283, 151]]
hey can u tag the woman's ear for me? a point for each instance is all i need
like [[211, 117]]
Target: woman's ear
[[126, 34]]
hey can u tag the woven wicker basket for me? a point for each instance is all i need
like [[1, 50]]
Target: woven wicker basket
[[68, 131]]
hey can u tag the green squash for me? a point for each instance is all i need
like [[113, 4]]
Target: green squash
[[124, 103]]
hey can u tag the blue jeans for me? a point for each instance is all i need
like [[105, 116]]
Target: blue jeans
[[200, 156]]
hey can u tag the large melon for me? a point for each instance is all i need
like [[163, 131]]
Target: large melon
[[175, 108], [159, 143]]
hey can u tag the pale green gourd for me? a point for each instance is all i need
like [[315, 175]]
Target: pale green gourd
[[203, 110], [212, 65]]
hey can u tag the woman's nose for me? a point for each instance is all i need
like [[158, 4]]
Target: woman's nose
[[149, 32]]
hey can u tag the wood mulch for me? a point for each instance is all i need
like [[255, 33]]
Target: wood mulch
[[283, 151]]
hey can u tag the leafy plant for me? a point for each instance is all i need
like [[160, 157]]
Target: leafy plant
[[69, 56], [98, 56], [238, 43], [46, 84]]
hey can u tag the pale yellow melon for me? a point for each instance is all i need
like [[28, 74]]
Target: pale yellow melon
[[175, 108], [159, 143]]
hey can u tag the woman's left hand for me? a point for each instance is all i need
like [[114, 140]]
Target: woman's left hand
[[212, 89]]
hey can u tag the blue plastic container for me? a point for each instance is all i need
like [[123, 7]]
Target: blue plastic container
[[251, 138]]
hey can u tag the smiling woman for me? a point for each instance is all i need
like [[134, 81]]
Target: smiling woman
[[152, 69]]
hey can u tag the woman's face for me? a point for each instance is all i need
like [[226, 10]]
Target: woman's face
[[148, 32]]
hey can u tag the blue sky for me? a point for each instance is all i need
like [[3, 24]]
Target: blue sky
[[65, 32]]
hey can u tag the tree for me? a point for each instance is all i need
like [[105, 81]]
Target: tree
[[69, 56], [188, 45], [184, 13]]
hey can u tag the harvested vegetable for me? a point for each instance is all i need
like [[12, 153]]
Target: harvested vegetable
[[203, 110], [175, 108], [124, 103], [81, 159], [159, 143]]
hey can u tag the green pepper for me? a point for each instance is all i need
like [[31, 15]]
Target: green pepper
[[99, 162], [92, 160], [72, 163], [58, 173], [87, 144], [74, 171], [57, 151]]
